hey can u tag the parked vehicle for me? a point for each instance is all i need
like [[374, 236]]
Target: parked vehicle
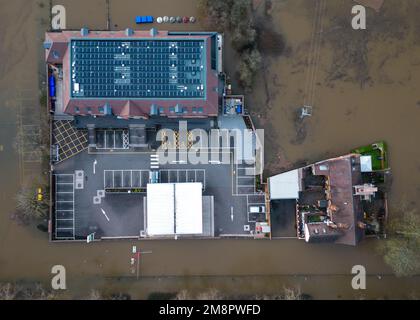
[[257, 209]]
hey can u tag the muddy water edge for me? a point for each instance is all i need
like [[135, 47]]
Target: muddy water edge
[[356, 116]]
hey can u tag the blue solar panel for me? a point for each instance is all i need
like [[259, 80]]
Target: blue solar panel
[[138, 68]]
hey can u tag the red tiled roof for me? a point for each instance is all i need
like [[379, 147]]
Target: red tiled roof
[[343, 173], [131, 109]]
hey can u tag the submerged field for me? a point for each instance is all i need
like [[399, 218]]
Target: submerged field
[[363, 88]]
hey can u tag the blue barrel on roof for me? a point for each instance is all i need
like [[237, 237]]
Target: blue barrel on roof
[[239, 109], [51, 85], [144, 19]]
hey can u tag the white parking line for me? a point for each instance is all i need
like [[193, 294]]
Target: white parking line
[[188, 177], [240, 172], [57, 193], [104, 213], [129, 174], [154, 161]]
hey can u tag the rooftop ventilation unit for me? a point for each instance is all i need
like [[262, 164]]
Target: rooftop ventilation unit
[[129, 32], [107, 109], [84, 32], [178, 108], [153, 32], [154, 110], [55, 54]]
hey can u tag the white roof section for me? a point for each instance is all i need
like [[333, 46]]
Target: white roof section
[[174, 208], [188, 208], [366, 163], [160, 209], [285, 185]]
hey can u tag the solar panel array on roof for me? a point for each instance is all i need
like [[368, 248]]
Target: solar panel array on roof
[[138, 68]]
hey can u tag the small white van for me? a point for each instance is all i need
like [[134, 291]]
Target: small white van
[[257, 209]]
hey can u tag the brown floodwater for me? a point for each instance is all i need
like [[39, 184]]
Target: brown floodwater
[[345, 116]]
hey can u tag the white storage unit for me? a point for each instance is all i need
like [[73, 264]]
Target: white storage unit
[[366, 163]]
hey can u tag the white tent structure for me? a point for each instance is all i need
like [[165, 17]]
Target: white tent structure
[[174, 209], [285, 185], [188, 208], [160, 209]]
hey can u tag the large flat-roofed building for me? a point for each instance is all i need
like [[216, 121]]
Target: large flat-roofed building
[[136, 74]]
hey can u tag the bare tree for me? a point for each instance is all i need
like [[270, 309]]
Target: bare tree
[[292, 293], [32, 291], [289, 293], [236, 18], [94, 295], [401, 248], [211, 294], [216, 13], [28, 206], [248, 67], [8, 291], [38, 292], [184, 295]]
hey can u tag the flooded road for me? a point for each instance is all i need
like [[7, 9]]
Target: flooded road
[[345, 116]]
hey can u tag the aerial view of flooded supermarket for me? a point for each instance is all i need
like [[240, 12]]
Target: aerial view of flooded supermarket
[[209, 150]]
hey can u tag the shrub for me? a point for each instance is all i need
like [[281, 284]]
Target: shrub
[[28, 206], [248, 66], [401, 249], [216, 13]]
